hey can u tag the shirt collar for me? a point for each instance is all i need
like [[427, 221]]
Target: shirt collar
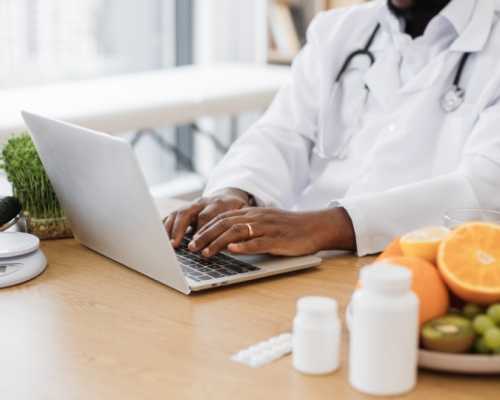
[[471, 19]]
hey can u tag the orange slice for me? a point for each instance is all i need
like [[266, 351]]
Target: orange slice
[[423, 243], [469, 261]]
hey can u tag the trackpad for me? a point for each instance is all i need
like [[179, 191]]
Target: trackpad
[[254, 259], [274, 262]]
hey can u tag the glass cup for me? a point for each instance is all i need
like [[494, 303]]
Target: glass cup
[[458, 216]]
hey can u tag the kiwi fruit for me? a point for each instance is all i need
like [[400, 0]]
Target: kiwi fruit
[[472, 310], [448, 334], [480, 346]]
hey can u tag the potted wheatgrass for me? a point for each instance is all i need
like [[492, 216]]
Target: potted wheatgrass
[[30, 184]]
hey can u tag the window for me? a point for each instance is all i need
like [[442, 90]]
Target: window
[[49, 41], [43, 41]]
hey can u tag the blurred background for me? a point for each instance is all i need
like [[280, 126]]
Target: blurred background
[[47, 44]]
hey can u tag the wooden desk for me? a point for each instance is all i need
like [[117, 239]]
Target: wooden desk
[[91, 329]]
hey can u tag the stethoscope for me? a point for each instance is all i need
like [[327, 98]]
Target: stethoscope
[[451, 101]]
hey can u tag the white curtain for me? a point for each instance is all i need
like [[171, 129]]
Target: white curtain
[[230, 30]]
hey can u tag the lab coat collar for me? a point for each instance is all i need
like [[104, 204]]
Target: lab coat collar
[[476, 27], [476, 33], [392, 26], [459, 13], [471, 19]]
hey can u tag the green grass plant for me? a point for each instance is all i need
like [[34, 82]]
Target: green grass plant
[[24, 169]]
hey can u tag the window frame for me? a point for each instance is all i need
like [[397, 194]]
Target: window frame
[[184, 55]]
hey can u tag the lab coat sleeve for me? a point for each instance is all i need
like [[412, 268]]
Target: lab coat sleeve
[[380, 217], [271, 160]]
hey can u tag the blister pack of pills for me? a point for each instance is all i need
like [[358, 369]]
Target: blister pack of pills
[[266, 352]]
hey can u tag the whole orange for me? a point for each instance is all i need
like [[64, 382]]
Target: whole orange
[[392, 250], [427, 285]]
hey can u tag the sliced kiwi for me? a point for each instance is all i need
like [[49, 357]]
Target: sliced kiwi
[[448, 334]]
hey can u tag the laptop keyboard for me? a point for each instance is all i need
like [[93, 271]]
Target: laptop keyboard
[[200, 268]]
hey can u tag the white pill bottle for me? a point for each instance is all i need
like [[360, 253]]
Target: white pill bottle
[[384, 332], [316, 336]]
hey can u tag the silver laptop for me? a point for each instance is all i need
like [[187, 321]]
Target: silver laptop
[[111, 211]]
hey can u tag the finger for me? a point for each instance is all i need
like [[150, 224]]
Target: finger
[[201, 241], [220, 217], [235, 234], [261, 245], [183, 220], [208, 213], [169, 223], [213, 211]]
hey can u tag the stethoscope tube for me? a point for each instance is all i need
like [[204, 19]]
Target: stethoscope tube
[[361, 52], [452, 99], [460, 71]]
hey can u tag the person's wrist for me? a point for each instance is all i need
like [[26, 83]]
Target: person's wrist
[[236, 193], [334, 230]]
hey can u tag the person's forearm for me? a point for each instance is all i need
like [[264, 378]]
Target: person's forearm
[[257, 230]]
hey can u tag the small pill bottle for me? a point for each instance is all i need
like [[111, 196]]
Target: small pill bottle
[[384, 332], [316, 336]]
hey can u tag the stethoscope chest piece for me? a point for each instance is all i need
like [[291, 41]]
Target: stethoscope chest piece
[[453, 99]]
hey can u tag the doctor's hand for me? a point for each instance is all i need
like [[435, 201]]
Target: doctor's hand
[[275, 232], [203, 211]]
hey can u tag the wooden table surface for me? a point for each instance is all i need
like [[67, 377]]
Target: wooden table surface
[[91, 329]]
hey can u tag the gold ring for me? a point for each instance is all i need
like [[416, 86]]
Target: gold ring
[[250, 230]]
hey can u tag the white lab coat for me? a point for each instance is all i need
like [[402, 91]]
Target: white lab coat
[[391, 156]]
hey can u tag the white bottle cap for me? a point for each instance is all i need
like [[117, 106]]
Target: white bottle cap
[[386, 277], [317, 306]]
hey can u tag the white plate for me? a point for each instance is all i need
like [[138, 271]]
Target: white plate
[[459, 363], [471, 364]]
